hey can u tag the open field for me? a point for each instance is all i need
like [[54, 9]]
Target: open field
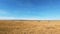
[[29, 27]]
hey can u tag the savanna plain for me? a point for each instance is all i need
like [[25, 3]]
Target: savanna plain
[[29, 26]]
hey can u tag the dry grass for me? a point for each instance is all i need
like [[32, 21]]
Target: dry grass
[[29, 27]]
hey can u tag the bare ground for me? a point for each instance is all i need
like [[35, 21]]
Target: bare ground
[[29, 27]]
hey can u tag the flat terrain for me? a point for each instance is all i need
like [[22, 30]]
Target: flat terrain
[[29, 27]]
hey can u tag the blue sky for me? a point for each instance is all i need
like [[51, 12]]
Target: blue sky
[[30, 9]]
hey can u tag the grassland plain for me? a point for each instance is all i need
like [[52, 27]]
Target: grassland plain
[[29, 27]]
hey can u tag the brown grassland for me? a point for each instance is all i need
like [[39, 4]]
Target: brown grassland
[[29, 27]]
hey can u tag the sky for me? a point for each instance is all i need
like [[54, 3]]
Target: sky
[[30, 9]]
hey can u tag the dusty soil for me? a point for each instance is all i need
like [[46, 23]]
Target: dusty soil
[[29, 27]]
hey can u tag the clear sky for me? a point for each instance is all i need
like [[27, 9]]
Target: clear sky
[[30, 9]]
